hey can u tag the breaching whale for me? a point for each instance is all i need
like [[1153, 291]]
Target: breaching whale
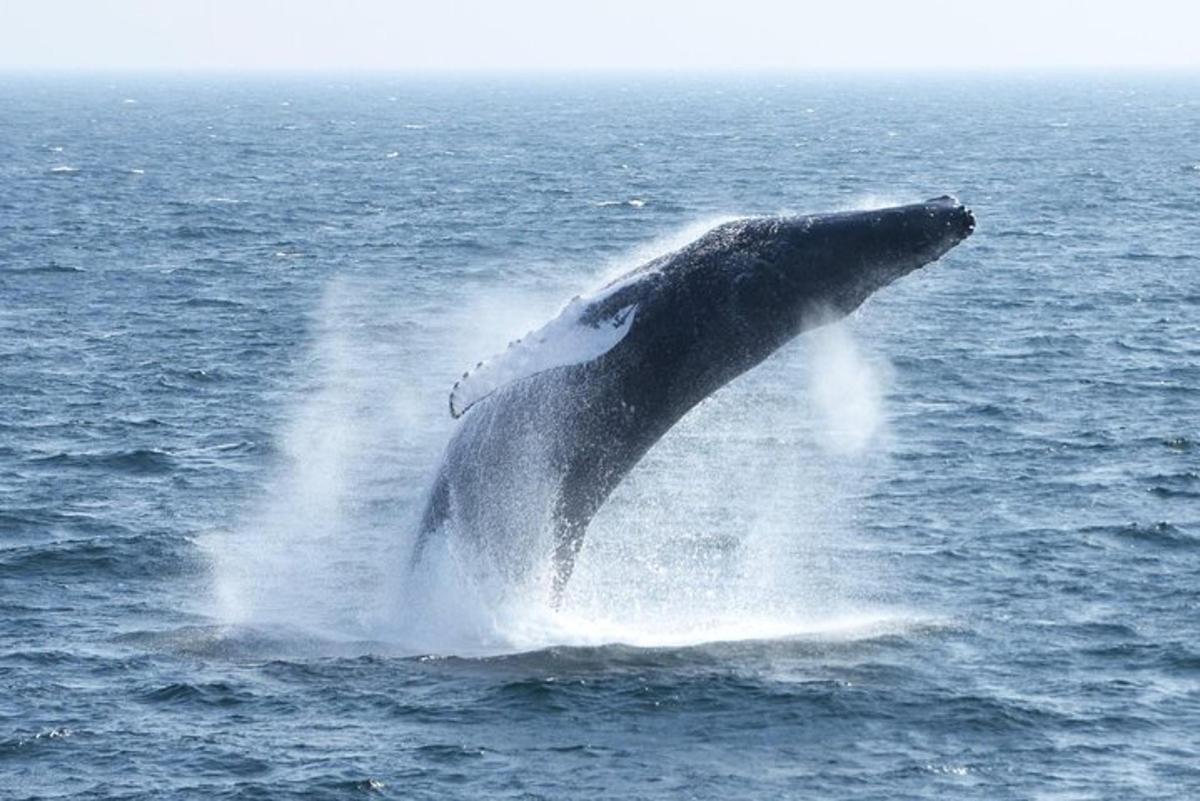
[[552, 424]]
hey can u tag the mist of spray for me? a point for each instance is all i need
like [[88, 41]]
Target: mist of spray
[[846, 389], [310, 551]]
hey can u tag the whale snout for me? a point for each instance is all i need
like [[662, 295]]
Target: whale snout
[[951, 215]]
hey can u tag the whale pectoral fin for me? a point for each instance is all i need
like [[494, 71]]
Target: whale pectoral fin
[[568, 539], [578, 335], [585, 330]]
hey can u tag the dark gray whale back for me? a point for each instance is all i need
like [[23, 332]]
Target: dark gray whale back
[[554, 423]]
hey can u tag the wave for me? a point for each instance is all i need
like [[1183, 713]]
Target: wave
[[214, 303], [1032, 234], [210, 231], [40, 521], [1184, 484], [1181, 444], [137, 461], [212, 694], [121, 557], [633, 203], [1162, 534], [21, 744], [51, 268]]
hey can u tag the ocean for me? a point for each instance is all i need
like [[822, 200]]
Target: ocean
[[946, 548]]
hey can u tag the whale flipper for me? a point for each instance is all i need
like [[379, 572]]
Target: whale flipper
[[585, 330]]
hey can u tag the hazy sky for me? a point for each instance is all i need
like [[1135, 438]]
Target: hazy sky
[[614, 34]]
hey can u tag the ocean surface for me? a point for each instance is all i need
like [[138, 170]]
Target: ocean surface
[[948, 548]]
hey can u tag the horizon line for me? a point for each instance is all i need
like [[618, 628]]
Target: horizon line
[[604, 71]]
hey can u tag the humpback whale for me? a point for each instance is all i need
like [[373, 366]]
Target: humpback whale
[[551, 425]]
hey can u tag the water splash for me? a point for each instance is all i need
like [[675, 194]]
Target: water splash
[[741, 523], [846, 389], [313, 550]]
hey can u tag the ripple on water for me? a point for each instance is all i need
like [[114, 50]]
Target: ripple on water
[[1160, 534], [185, 694], [136, 556], [135, 461]]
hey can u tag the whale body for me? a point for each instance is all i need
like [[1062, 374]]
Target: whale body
[[551, 425]]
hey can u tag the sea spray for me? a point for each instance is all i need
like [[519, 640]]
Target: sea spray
[[742, 519], [846, 389], [315, 546]]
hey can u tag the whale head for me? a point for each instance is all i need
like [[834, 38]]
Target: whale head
[[794, 273], [730, 299]]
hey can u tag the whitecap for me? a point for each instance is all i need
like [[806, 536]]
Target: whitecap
[[393, 154], [63, 169], [635, 203]]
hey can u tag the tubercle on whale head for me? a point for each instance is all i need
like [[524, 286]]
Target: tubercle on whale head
[[949, 212]]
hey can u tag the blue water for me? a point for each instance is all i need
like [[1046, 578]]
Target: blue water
[[949, 548]]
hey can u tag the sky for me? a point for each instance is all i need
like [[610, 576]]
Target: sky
[[570, 35]]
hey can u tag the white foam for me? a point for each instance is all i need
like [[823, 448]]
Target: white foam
[[635, 203]]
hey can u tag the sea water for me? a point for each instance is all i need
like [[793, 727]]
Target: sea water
[[947, 548]]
